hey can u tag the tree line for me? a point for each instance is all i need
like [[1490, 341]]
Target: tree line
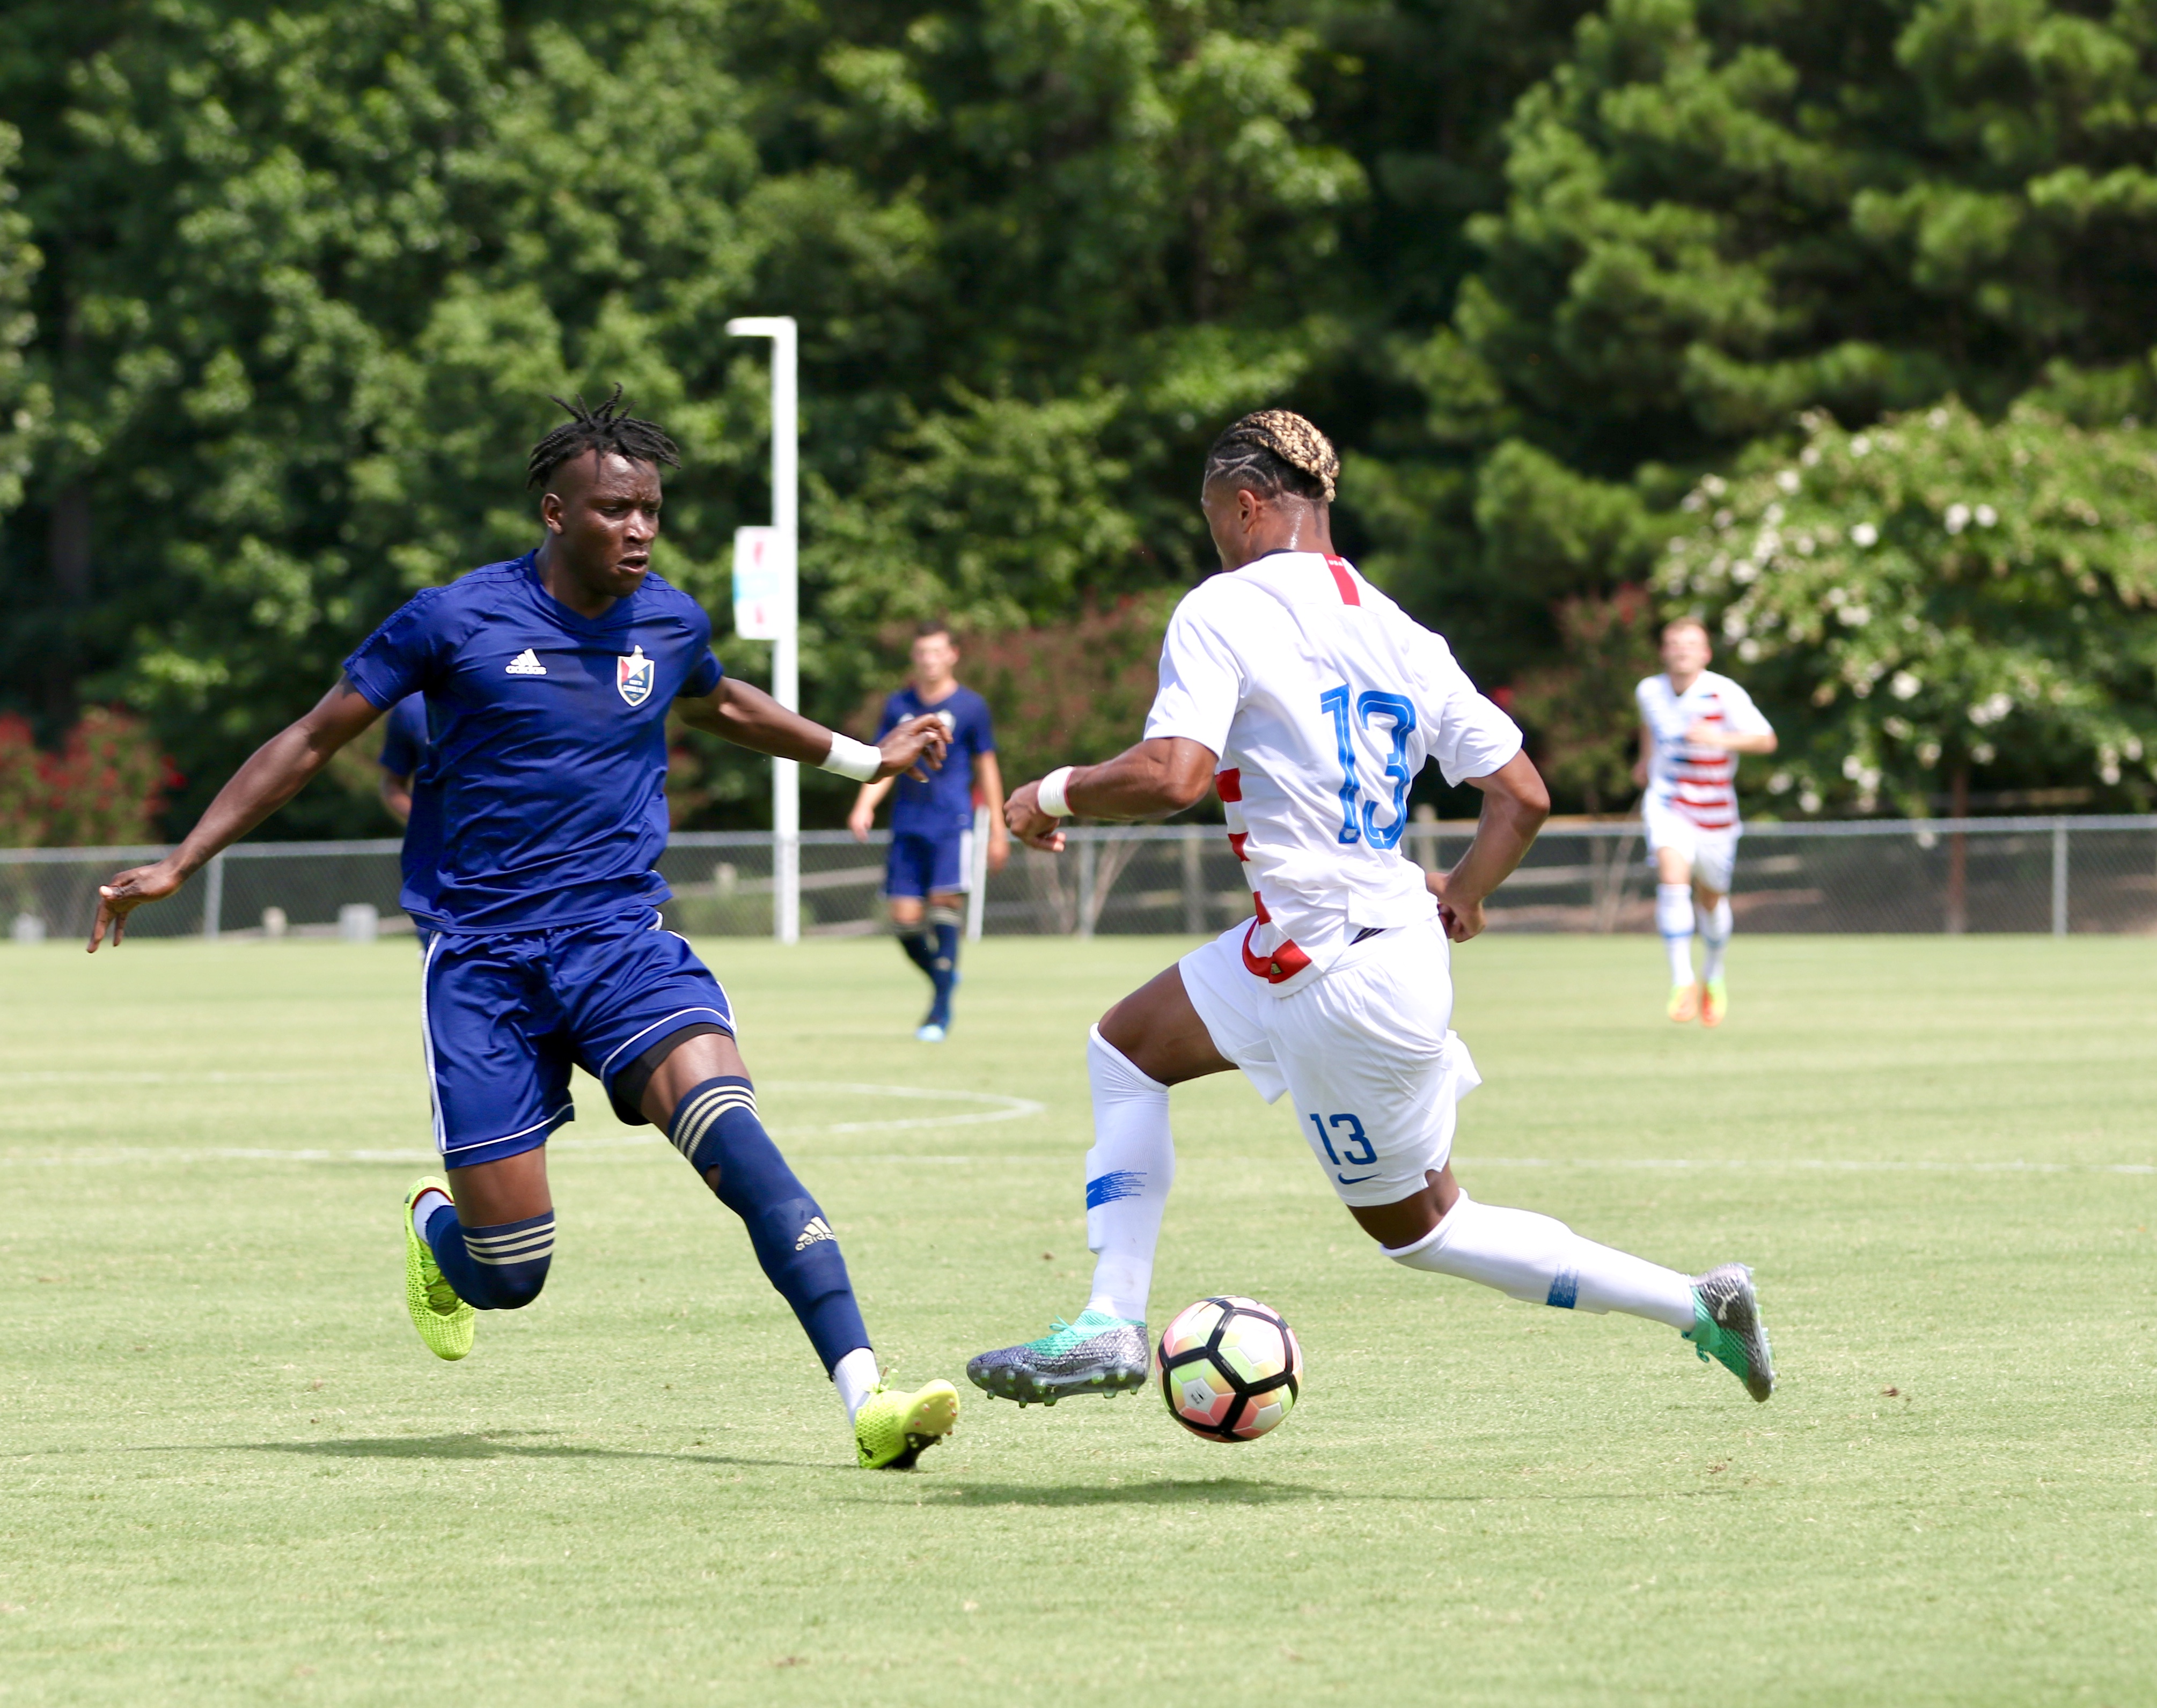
[[1580, 290]]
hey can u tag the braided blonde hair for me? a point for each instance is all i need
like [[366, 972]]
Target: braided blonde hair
[[1273, 451]]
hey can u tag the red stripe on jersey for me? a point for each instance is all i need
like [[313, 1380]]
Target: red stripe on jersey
[[1283, 964], [1712, 824], [1236, 840], [1347, 585], [1228, 785]]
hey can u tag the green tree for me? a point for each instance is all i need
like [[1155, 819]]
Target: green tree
[[1935, 599], [1719, 213]]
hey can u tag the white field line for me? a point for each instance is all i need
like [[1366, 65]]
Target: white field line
[[1001, 1107]]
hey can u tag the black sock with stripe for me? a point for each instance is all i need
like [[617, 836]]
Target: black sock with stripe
[[501, 1267], [716, 1127]]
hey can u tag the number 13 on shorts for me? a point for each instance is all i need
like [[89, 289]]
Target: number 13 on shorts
[[1356, 1151]]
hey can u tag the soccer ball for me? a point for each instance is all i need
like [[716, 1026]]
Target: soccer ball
[[1230, 1369]]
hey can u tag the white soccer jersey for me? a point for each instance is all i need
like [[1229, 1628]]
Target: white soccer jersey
[[1696, 782], [1323, 699]]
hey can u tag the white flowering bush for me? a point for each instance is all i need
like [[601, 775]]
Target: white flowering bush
[[1937, 593]]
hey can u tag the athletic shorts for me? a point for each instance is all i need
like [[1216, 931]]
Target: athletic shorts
[[503, 1017], [1366, 1052], [921, 865], [1712, 855]]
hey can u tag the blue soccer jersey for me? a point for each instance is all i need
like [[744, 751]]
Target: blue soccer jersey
[[944, 805], [405, 737], [547, 777]]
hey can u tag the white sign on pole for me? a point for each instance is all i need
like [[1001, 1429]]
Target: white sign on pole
[[763, 584]]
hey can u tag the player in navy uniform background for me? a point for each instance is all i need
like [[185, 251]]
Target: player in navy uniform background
[[529, 858], [932, 821], [405, 744]]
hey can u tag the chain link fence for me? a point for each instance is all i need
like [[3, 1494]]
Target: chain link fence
[[2058, 875]]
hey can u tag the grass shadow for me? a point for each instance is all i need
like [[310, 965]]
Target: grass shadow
[[477, 1446], [1175, 1491]]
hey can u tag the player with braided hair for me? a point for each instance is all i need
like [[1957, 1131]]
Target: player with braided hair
[[1310, 700], [529, 863]]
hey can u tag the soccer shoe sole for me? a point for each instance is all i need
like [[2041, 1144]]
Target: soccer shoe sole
[[1729, 1297], [1021, 1374], [931, 1413], [448, 1335]]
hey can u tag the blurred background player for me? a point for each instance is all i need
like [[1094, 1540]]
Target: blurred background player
[[931, 863], [1310, 701], [405, 739], [530, 860], [1694, 723], [404, 744]]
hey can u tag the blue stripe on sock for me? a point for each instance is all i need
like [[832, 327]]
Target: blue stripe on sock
[[1565, 1289], [1108, 1188]]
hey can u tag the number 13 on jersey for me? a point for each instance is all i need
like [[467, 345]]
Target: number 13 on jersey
[[1359, 817]]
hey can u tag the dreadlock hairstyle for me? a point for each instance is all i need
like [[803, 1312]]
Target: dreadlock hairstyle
[[608, 428], [1272, 451]]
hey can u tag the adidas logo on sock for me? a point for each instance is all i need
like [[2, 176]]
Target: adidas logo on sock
[[818, 1229], [524, 664]]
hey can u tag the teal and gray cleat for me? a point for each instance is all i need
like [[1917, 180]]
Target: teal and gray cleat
[[1099, 1354], [1727, 1326]]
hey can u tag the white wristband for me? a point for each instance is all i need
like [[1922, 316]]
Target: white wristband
[[1050, 798], [852, 758]]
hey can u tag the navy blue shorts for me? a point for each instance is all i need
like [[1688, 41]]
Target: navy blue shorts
[[504, 1016], [924, 866]]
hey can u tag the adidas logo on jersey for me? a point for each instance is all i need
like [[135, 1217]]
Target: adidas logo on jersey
[[524, 664], [818, 1229]]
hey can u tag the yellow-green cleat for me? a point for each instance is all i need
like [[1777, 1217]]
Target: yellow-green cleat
[[892, 1428], [445, 1321]]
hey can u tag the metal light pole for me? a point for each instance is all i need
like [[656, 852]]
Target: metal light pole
[[768, 557]]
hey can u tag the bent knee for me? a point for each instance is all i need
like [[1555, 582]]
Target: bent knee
[[515, 1288]]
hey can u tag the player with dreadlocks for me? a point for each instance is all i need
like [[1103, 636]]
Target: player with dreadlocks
[[1310, 700], [529, 861]]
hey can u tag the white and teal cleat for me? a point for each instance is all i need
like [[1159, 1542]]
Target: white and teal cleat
[[1099, 1354], [1727, 1326]]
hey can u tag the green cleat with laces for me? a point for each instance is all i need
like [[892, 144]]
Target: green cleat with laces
[[893, 1429], [1099, 1354], [1727, 1326], [445, 1321]]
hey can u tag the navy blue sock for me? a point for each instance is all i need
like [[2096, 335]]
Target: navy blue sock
[[914, 940], [945, 971], [716, 1126], [493, 1269]]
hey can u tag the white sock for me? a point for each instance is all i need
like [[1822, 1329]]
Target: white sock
[[1715, 929], [1540, 1259], [1674, 919], [423, 1207], [1128, 1174], [855, 1376]]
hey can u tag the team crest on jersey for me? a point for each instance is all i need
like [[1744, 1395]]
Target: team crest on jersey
[[634, 675]]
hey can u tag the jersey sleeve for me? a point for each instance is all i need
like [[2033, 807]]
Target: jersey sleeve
[[980, 732], [403, 656], [704, 676], [1201, 681], [1469, 735], [895, 714], [405, 741], [1744, 718], [1641, 690]]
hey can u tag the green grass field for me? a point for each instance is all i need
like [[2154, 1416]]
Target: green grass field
[[229, 1471]]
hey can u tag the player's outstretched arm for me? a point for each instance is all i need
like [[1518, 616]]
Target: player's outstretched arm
[[1515, 805], [276, 772], [1156, 777], [747, 717]]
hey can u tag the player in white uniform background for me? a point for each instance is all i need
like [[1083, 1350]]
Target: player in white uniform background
[[1310, 700], [1694, 723]]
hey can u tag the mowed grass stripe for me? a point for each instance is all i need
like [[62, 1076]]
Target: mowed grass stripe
[[233, 1474]]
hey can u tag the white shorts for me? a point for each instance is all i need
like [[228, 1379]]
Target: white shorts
[[1366, 1052], [1712, 855]]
